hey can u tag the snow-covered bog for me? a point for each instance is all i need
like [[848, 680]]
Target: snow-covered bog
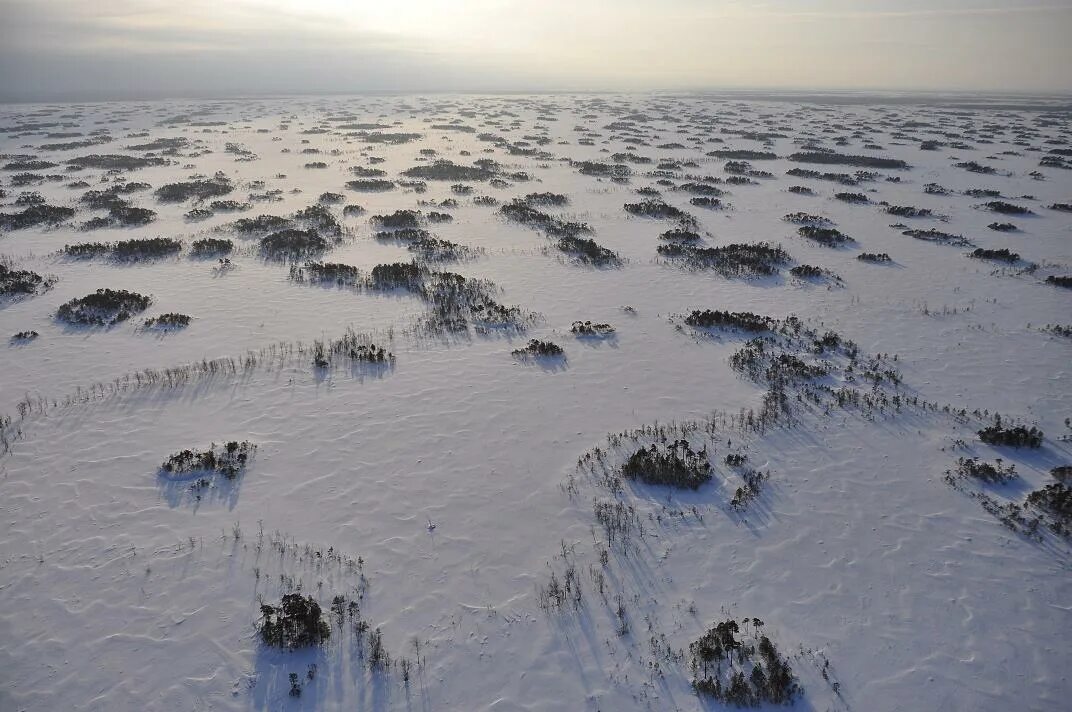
[[534, 402]]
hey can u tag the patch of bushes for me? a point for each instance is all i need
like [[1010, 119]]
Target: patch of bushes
[[674, 465], [827, 236], [654, 208], [519, 211], [1002, 227], [735, 260], [139, 249], [447, 170], [545, 199], [1002, 255], [908, 211], [856, 198], [230, 460], [171, 320], [589, 329], [877, 257], [939, 237], [741, 672], [369, 185], [21, 281], [1060, 280], [587, 250], [1017, 436], [982, 470], [25, 336], [262, 223], [200, 188], [399, 219], [119, 162], [846, 160], [211, 247], [296, 622], [800, 190], [1000, 206], [37, 214], [103, 308], [293, 242], [539, 349], [1054, 499], [713, 319]]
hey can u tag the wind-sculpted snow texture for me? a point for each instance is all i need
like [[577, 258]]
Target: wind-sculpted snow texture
[[592, 402]]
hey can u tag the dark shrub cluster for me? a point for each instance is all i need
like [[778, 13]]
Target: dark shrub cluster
[[973, 167], [36, 214], [1002, 227], [826, 236], [103, 308], [539, 349], [712, 319], [908, 211], [1000, 206], [1002, 255], [370, 185], [654, 208], [807, 219], [399, 219], [1054, 499], [735, 260], [680, 234], [200, 188], [171, 320], [25, 336], [446, 170], [262, 223], [292, 243], [591, 329], [211, 247], [296, 622], [147, 248], [740, 671], [939, 237], [614, 171], [230, 460], [857, 198], [674, 465], [587, 250], [877, 257], [21, 281], [981, 470], [1017, 436], [800, 190], [521, 212], [1058, 280], [118, 162], [845, 160]]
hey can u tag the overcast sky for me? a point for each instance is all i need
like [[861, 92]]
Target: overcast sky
[[86, 49]]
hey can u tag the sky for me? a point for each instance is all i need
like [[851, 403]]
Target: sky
[[108, 49]]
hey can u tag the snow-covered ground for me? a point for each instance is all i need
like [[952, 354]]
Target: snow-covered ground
[[443, 491]]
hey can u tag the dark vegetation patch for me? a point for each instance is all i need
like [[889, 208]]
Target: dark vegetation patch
[[521, 212], [199, 188], [939, 237], [812, 273], [399, 219], [846, 160], [973, 167], [103, 308], [615, 171], [673, 465], [591, 329], [28, 165], [546, 199], [262, 223], [539, 349], [1000, 206], [588, 251], [22, 281], [1017, 436], [1055, 500], [1002, 255], [908, 211], [24, 336], [1058, 280], [446, 170], [296, 622], [1063, 207], [427, 247], [800, 190], [169, 321], [229, 460], [826, 236], [876, 257], [713, 319], [703, 201], [735, 260], [370, 185], [291, 243], [35, 214], [997, 473], [744, 672], [116, 162], [1002, 227], [654, 208], [742, 154], [855, 198]]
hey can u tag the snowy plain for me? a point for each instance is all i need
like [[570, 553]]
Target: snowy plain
[[453, 471]]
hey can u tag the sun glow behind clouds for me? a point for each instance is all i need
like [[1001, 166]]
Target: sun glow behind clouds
[[352, 45]]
